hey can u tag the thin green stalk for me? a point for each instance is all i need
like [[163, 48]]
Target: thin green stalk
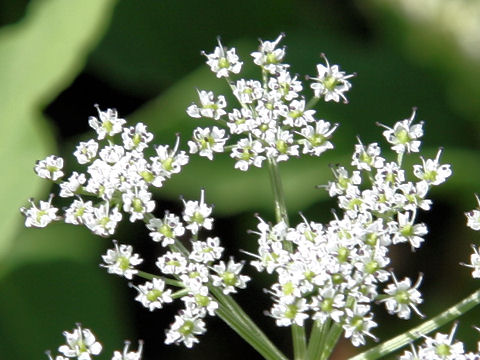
[[331, 340], [316, 342], [167, 280], [311, 103], [281, 214], [279, 196], [230, 312], [299, 342], [267, 352], [428, 326]]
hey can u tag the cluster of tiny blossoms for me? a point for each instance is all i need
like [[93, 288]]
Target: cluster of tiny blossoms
[[82, 345], [273, 120], [444, 346], [117, 177], [473, 222], [441, 347], [117, 181], [332, 272], [190, 273]]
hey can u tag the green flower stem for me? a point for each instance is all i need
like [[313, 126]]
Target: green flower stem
[[179, 294], [331, 340], [316, 342], [298, 332], [168, 281], [233, 315], [400, 159], [249, 337], [428, 326], [279, 197], [312, 102], [299, 342]]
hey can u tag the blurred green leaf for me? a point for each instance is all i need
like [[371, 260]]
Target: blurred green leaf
[[442, 36], [40, 300], [149, 47], [39, 56]]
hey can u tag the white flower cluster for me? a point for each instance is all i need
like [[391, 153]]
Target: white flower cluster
[[441, 347], [117, 177], [82, 345], [273, 121], [193, 272], [473, 222], [333, 271]]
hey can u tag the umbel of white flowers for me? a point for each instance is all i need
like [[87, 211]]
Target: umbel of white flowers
[[330, 272]]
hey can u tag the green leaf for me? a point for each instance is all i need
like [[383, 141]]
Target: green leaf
[[39, 56]]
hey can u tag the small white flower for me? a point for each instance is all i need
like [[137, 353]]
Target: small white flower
[[210, 107], [206, 251], [288, 88], [86, 151], [196, 214], [102, 221], [121, 261], [415, 195], [247, 152], [316, 139], [473, 217], [58, 357], [128, 355], [269, 57], [168, 161], [81, 344], [78, 211], [136, 138], [404, 136], [223, 61], [331, 83], [296, 115], [107, 124], [166, 230], [240, 120], [474, 263], [39, 217], [207, 141], [228, 277], [282, 146], [343, 181], [50, 168], [367, 158], [402, 297], [184, 329], [247, 91], [172, 263], [200, 300], [69, 187], [112, 154], [153, 295], [407, 231], [442, 347], [287, 314], [431, 171], [358, 324], [138, 203]]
